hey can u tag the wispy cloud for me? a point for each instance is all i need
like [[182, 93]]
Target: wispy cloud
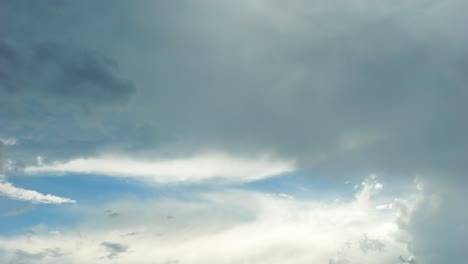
[[192, 169], [19, 210], [9, 190]]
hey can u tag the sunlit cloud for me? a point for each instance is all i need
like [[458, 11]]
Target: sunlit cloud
[[227, 227], [192, 169]]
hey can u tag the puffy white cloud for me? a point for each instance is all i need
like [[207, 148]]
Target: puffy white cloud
[[222, 227], [9, 190], [192, 169]]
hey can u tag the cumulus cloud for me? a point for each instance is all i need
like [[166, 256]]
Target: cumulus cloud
[[225, 227], [10, 191], [191, 169]]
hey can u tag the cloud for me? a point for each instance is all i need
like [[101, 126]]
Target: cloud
[[266, 229], [366, 245], [8, 141], [373, 104], [438, 224], [10, 191], [357, 88], [341, 88], [47, 83], [19, 210], [409, 260], [114, 249], [192, 169], [47, 254], [57, 69]]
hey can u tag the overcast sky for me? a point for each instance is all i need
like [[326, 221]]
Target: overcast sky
[[250, 131]]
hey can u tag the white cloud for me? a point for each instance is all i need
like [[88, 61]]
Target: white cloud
[[8, 141], [286, 196], [197, 168], [228, 227], [9, 190]]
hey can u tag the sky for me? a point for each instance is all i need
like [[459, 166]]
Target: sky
[[250, 131]]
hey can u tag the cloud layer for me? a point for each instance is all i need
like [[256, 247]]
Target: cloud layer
[[343, 89], [338, 87]]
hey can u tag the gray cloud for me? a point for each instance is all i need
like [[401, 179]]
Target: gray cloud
[[54, 91], [338, 261], [21, 256], [19, 210], [438, 225], [50, 89], [350, 88], [387, 100], [366, 245], [112, 214], [114, 249], [55, 69], [409, 260]]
